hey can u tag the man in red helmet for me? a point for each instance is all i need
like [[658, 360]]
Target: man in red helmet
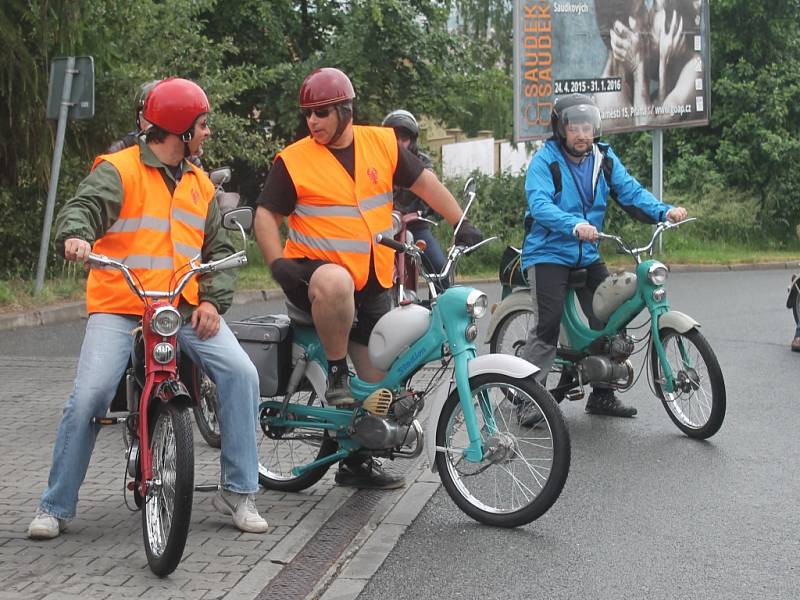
[[150, 208], [335, 186]]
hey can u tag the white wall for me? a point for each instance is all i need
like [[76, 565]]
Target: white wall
[[461, 159]]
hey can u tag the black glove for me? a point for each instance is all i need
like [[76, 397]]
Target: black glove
[[287, 272], [468, 234]]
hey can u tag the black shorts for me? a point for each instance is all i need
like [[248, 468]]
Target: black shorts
[[371, 302]]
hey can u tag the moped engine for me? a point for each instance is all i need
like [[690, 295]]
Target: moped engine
[[608, 362], [389, 422]]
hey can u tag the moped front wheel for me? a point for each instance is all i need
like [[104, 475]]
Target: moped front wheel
[[205, 412], [167, 508], [282, 449], [523, 469], [697, 404], [509, 338]]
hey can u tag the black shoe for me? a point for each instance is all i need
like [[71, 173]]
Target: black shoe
[[338, 391], [369, 475], [604, 402], [529, 415]]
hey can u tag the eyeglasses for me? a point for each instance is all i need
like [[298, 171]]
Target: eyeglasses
[[321, 113]]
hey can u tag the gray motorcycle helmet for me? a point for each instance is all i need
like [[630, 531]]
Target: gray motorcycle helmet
[[402, 119], [574, 108]]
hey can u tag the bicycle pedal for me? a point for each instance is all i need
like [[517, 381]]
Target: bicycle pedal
[[574, 395]]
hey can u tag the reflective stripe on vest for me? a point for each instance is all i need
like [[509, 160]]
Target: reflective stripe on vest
[[337, 218], [155, 234]]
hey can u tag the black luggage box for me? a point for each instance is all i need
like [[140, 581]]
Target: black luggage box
[[268, 342]]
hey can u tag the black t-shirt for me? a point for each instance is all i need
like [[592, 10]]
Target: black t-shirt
[[279, 195]]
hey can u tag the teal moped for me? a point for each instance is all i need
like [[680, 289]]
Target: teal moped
[[496, 471], [682, 368]]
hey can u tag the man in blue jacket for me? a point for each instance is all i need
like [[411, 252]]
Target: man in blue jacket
[[568, 184]]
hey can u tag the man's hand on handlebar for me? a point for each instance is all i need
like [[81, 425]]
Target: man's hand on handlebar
[[677, 214], [468, 234], [76, 249], [586, 232]]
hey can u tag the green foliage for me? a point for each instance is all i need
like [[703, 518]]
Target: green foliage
[[251, 57]]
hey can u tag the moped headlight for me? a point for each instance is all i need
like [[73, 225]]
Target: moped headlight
[[471, 332], [166, 321], [477, 302], [163, 352], [657, 273]]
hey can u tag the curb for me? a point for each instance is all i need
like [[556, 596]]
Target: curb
[[73, 311], [77, 310]]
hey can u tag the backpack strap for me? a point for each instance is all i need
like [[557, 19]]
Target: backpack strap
[[607, 165]]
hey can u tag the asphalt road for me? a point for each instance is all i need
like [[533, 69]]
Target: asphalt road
[[646, 512]]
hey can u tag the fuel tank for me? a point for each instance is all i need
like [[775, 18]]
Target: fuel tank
[[610, 294], [395, 331]]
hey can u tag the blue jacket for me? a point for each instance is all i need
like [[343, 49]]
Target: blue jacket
[[555, 215]]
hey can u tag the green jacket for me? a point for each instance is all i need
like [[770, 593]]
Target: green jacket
[[96, 206]]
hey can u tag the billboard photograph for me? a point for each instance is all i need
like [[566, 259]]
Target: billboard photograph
[[644, 62]]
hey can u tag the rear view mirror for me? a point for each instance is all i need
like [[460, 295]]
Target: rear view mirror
[[238, 218], [220, 176]]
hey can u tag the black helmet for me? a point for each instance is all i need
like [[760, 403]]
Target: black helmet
[[575, 108], [141, 96], [402, 119]]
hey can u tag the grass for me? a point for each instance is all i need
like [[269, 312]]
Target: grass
[[17, 294]]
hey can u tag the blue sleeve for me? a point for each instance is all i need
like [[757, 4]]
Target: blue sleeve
[[632, 196], [540, 192]]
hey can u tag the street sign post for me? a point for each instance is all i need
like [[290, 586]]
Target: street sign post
[[70, 96]]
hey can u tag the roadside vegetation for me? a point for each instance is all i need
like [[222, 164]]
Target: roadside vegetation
[[736, 174]]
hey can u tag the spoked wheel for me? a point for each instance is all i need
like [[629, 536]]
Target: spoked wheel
[[205, 412], [510, 337], [511, 333], [697, 405], [523, 469], [796, 308], [281, 449], [168, 504]]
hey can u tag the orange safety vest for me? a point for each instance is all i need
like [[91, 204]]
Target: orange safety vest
[[155, 234], [336, 218]]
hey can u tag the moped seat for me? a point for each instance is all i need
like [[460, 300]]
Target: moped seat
[[298, 315], [577, 278]]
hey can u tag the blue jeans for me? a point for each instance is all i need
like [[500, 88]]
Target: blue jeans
[[104, 356], [433, 254]]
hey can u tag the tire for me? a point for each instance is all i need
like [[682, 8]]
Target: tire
[[280, 450], [205, 412], [168, 507], [529, 468], [509, 338], [796, 308], [698, 405]]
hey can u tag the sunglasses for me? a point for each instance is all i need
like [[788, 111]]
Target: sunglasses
[[321, 113]]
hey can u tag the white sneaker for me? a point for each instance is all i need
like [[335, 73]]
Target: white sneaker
[[45, 527], [243, 509]]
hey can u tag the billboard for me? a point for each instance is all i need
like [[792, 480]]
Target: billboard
[[645, 62]]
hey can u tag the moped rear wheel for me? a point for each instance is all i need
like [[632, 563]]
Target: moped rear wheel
[[205, 412], [281, 449], [697, 405], [509, 338], [167, 509], [523, 469]]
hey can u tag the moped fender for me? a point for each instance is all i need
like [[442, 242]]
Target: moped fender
[[504, 364], [519, 299], [173, 390], [678, 321]]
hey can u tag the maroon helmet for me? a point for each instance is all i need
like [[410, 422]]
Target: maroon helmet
[[325, 86]]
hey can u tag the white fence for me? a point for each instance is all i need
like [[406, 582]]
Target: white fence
[[484, 155]]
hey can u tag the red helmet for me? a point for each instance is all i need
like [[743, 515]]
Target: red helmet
[[174, 105], [325, 86]]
